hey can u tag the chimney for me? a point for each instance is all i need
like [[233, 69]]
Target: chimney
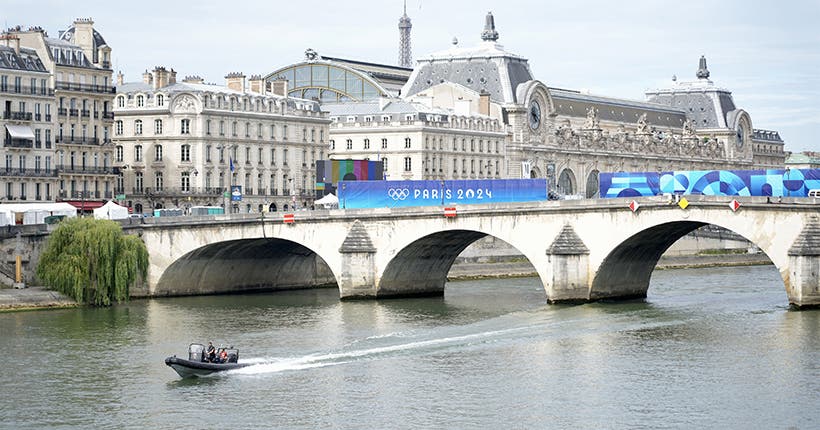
[[484, 103], [193, 80], [160, 77], [84, 37], [172, 77], [280, 87], [257, 85], [235, 81], [120, 78], [147, 77], [12, 41]]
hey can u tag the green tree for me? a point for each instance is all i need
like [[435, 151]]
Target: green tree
[[92, 261]]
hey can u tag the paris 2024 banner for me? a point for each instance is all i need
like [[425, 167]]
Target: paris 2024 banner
[[391, 194], [773, 182]]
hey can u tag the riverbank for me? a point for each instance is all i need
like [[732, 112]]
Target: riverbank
[[20, 299]]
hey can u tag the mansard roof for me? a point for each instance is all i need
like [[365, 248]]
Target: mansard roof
[[485, 68], [26, 60]]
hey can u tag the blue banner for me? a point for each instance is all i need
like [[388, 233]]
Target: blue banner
[[236, 193], [772, 182], [391, 194]]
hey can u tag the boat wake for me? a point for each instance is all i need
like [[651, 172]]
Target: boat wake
[[346, 356]]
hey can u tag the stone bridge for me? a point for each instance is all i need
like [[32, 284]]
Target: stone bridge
[[582, 250]]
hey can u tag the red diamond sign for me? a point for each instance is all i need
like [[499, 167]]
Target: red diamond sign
[[633, 206], [734, 205]]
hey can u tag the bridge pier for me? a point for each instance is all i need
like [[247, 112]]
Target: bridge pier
[[568, 268], [803, 285], [358, 276]]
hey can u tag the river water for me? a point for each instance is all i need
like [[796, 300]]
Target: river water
[[709, 348]]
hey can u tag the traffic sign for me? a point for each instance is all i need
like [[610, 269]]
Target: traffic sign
[[683, 203], [633, 206], [120, 197], [734, 205], [450, 212], [288, 218]]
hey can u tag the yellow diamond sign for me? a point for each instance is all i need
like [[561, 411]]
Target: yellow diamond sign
[[683, 203]]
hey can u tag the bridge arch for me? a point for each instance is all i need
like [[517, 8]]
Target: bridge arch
[[245, 265], [420, 267], [626, 270]]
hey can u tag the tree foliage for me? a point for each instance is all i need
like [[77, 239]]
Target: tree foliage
[[92, 261]]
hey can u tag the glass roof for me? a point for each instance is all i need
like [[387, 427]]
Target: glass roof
[[328, 83]]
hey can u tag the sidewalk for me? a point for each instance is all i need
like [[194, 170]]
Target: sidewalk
[[32, 298]]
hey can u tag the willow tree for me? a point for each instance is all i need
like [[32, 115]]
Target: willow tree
[[92, 261]]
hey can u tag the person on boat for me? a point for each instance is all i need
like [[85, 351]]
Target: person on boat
[[223, 356], [211, 353]]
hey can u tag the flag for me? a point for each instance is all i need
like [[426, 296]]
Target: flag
[[231, 161]]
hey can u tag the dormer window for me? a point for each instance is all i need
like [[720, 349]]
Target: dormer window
[[386, 118], [140, 101], [351, 119], [160, 100]]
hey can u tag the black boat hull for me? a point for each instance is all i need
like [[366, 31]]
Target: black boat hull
[[189, 369]]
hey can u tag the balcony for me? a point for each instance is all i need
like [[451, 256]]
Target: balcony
[[82, 195], [108, 115], [66, 140], [85, 170], [85, 113], [176, 191], [35, 91], [17, 116], [28, 173], [62, 111], [48, 117], [18, 143], [72, 86], [73, 112]]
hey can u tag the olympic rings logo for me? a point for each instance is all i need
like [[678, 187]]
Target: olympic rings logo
[[398, 193]]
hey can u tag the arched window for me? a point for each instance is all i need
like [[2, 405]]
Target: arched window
[[120, 101], [592, 185], [140, 101], [160, 100]]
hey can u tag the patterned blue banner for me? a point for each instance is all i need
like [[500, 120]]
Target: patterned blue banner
[[391, 194], [776, 183]]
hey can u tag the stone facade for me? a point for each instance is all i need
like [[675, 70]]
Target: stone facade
[[569, 136], [415, 141], [80, 82], [27, 97], [183, 144]]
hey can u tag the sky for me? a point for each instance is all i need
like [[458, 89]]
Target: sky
[[767, 53]]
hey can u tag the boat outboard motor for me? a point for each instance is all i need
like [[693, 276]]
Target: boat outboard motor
[[196, 352]]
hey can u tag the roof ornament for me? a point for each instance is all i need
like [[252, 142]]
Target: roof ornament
[[489, 34], [703, 72], [455, 40], [311, 55]]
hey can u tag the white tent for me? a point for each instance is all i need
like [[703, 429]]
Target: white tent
[[328, 200], [33, 213], [111, 210]]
